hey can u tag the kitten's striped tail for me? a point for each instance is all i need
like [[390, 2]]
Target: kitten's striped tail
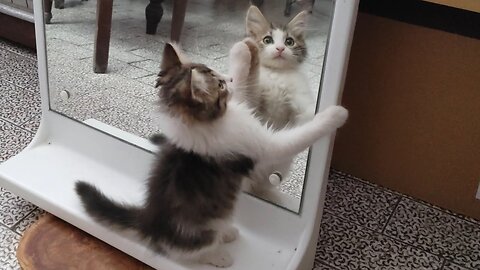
[[105, 209]]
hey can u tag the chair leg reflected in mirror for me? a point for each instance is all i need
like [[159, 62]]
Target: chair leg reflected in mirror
[[48, 10], [102, 35], [153, 15], [178, 18]]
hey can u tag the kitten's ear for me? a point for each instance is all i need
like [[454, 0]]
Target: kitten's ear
[[298, 24], [196, 83], [170, 57], [256, 23]]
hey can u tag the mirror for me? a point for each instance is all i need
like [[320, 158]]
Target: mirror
[[123, 94]]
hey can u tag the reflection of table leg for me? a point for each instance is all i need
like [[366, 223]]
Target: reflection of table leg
[[47, 5], [102, 35], [178, 18], [288, 7], [153, 14]]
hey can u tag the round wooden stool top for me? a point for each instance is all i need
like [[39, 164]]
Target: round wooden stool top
[[51, 244]]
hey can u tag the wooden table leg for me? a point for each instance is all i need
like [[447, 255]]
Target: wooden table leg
[[102, 35], [178, 18], [47, 5]]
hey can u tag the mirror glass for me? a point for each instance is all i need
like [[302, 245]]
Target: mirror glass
[[122, 94]]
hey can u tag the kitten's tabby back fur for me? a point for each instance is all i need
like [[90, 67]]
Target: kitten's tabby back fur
[[210, 143]]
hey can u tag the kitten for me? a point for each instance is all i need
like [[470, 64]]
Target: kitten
[[210, 143], [277, 90]]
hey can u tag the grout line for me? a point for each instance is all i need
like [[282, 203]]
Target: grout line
[[443, 264], [32, 58], [12, 228], [373, 232], [326, 264], [16, 125], [391, 215], [30, 118], [422, 202]]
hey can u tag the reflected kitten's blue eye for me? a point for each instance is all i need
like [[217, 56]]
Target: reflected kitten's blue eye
[[268, 40], [289, 41]]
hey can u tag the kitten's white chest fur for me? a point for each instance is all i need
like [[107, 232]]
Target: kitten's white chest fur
[[285, 96]]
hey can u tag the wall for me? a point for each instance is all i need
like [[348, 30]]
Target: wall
[[414, 100]]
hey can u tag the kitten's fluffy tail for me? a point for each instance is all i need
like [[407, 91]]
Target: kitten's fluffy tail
[[105, 209]]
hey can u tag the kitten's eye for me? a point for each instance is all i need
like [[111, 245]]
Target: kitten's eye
[[268, 40], [289, 41]]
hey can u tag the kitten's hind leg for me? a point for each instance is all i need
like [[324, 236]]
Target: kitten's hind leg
[[210, 251], [218, 257], [229, 234]]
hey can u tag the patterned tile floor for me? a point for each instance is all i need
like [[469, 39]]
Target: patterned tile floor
[[363, 227]]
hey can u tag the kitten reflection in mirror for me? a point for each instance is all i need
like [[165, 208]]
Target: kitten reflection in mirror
[[275, 88], [210, 143]]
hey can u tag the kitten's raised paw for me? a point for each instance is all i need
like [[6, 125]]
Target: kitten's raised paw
[[218, 258], [230, 234], [336, 115], [240, 52]]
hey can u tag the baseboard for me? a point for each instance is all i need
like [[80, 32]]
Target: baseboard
[[17, 30]]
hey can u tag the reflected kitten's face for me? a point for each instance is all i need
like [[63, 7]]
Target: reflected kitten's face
[[193, 92], [280, 47]]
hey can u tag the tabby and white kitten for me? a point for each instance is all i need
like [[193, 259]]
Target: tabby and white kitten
[[277, 90], [210, 143]]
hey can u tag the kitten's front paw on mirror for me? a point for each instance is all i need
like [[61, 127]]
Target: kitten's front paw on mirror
[[336, 115], [218, 258]]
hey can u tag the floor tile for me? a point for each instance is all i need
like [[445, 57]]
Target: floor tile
[[359, 202], [125, 56], [435, 231], [8, 246], [70, 50], [17, 104], [127, 70], [451, 266], [293, 185], [13, 208], [130, 122], [19, 70], [12, 140], [33, 123], [28, 220], [322, 266], [346, 246], [150, 65], [18, 49]]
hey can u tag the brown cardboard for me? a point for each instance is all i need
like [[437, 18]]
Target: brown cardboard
[[414, 100]]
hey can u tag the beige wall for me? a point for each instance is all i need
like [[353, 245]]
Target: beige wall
[[414, 100]]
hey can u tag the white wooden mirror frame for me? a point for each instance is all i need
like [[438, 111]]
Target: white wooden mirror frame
[[65, 150]]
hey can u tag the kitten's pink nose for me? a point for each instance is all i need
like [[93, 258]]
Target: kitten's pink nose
[[280, 49]]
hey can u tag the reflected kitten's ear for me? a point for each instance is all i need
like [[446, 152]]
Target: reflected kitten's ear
[[256, 23], [298, 24], [170, 57]]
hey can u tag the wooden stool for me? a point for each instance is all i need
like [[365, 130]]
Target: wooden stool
[[51, 244]]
